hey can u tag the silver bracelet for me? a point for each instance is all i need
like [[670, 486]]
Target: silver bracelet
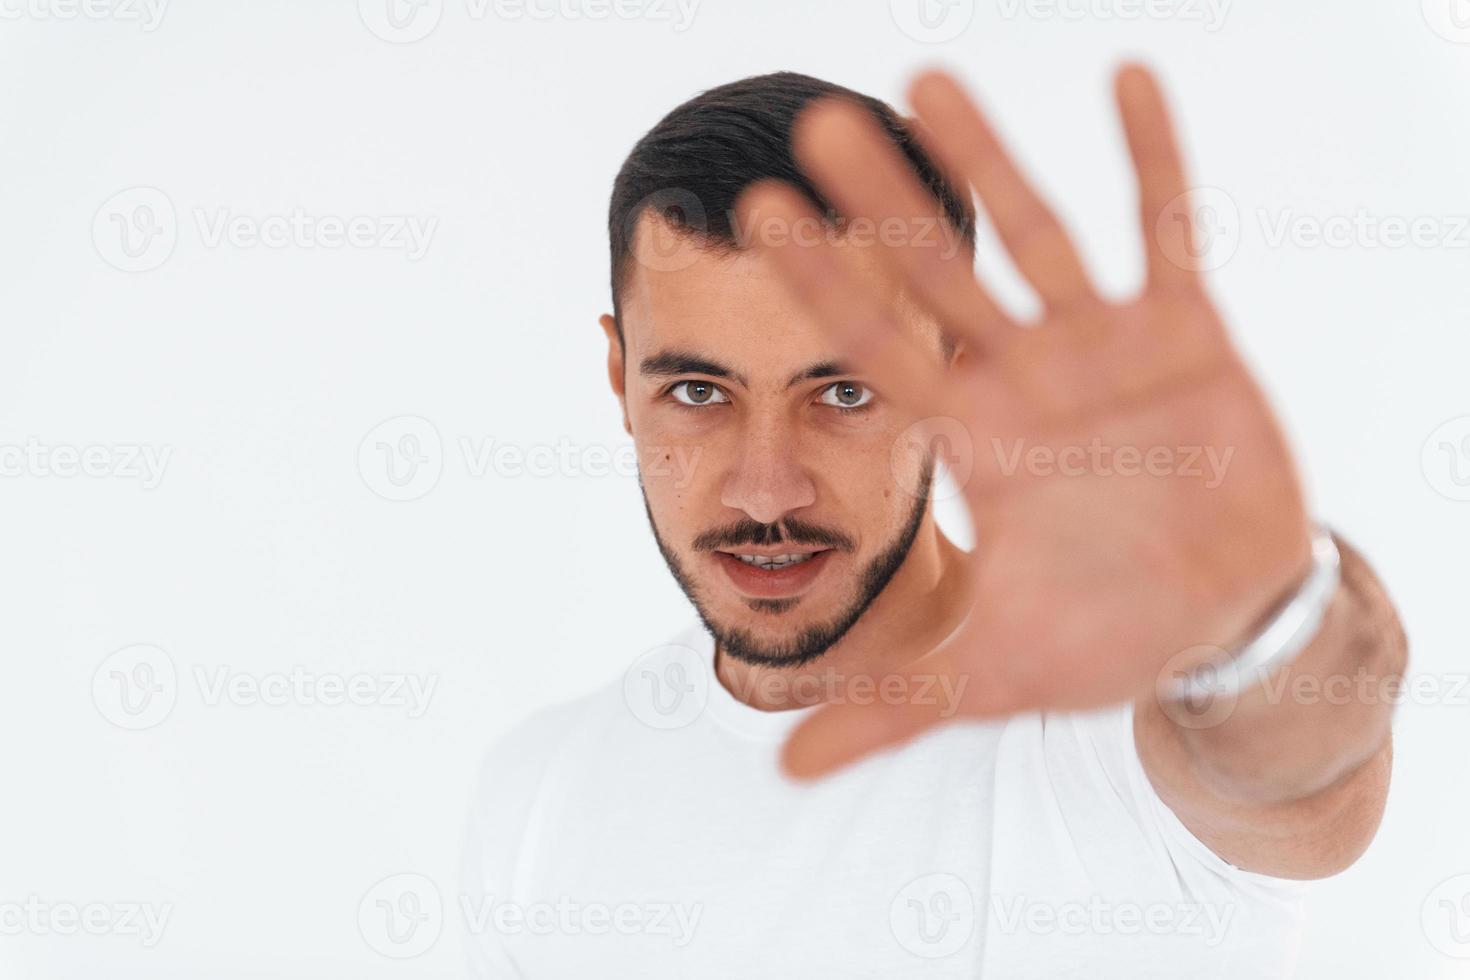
[[1277, 644]]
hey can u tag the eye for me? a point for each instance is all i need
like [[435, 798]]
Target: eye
[[846, 394], [698, 393]]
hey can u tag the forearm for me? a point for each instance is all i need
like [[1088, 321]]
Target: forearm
[[1298, 731]]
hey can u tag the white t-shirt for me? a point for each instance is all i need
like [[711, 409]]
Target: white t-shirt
[[646, 832]]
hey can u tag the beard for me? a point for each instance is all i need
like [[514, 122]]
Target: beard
[[814, 640]]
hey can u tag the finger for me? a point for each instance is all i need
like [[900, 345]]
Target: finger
[[1163, 203], [963, 139], [857, 167], [948, 683], [839, 735], [858, 313]]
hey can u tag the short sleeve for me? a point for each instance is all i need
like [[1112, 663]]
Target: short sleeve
[[1109, 733], [500, 832], [1082, 836]]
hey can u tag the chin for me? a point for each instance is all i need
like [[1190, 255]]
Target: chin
[[768, 610], [787, 632]]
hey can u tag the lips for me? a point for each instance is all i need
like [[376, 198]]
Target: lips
[[772, 576]]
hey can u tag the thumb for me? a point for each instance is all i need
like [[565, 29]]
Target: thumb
[[837, 735]]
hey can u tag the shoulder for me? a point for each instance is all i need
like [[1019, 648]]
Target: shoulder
[[523, 769], [1083, 767], [515, 766]]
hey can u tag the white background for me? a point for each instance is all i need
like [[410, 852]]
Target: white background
[[261, 370]]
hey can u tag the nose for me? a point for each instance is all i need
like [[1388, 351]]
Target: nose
[[768, 479]]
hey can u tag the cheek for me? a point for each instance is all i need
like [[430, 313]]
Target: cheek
[[859, 479], [677, 468]]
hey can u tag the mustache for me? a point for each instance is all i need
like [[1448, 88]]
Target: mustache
[[789, 530]]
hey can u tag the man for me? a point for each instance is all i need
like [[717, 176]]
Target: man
[[1101, 744]]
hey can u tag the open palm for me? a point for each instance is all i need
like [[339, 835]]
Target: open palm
[[1131, 492]]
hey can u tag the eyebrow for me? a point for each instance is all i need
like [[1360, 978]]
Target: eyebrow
[[822, 369], [671, 362], [674, 362]]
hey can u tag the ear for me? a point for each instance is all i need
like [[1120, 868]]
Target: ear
[[615, 375]]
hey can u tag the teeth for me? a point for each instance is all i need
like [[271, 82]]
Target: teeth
[[773, 561]]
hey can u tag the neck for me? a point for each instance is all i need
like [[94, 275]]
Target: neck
[[924, 602]]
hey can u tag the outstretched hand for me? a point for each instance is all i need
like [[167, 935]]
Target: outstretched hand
[[1131, 493]]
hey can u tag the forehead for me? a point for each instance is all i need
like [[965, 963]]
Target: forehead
[[729, 303]]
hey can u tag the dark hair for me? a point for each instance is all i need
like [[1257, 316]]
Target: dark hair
[[694, 164]]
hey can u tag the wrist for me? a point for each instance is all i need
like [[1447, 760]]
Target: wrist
[[1275, 640]]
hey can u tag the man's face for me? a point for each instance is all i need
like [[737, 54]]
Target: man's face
[[768, 467]]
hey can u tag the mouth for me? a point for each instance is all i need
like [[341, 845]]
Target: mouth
[[769, 574]]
